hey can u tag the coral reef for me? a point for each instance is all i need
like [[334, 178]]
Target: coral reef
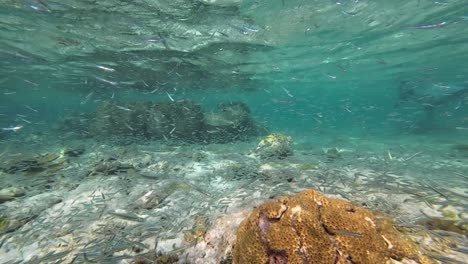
[[181, 120], [178, 120], [274, 146], [310, 228], [231, 122]]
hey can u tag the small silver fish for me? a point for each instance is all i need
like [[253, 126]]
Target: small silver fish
[[170, 97], [433, 26], [347, 233], [105, 68], [250, 29], [123, 108], [129, 217], [14, 129]]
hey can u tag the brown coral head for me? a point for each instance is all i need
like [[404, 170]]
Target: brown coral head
[[311, 228], [277, 257], [264, 224]]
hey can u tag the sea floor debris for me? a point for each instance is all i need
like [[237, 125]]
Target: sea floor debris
[[133, 204]]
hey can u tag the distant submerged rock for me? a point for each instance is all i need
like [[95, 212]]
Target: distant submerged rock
[[182, 120]]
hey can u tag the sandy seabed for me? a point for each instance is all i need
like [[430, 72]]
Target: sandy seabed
[[115, 204]]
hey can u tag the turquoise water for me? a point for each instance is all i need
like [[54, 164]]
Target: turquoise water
[[344, 60], [383, 80]]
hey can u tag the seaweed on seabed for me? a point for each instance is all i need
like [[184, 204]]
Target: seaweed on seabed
[[4, 223]]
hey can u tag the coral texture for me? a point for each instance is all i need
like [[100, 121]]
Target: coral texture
[[274, 146], [311, 228]]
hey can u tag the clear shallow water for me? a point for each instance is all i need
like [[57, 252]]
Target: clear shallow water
[[383, 80], [342, 60]]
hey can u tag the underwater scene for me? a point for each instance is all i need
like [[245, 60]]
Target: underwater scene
[[233, 131]]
